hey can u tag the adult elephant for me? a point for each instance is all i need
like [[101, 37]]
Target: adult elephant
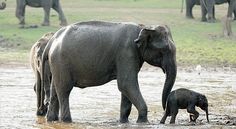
[[93, 53], [45, 4], [3, 6], [36, 61], [208, 8]]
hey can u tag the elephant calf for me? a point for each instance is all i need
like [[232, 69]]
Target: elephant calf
[[184, 99], [35, 60]]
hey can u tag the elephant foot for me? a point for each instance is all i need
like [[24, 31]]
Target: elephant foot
[[22, 23], [211, 21], [41, 112], [64, 23], [45, 24], [162, 121], [204, 20], [66, 120], [142, 119], [51, 118], [124, 120], [190, 17], [21, 26]]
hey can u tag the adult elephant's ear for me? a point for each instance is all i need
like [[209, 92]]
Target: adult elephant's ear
[[144, 36]]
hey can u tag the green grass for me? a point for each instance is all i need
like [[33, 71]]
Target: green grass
[[196, 42]]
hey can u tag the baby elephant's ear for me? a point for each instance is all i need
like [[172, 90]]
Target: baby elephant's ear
[[144, 36]]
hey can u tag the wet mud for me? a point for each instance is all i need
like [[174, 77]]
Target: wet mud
[[98, 107]]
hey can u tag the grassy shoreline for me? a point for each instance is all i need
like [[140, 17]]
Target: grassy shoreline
[[197, 42]]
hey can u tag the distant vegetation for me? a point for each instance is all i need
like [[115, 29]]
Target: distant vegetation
[[197, 42]]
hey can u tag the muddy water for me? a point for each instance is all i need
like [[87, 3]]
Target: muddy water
[[98, 107]]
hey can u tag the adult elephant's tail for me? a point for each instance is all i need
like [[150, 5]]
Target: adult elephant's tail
[[43, 72]]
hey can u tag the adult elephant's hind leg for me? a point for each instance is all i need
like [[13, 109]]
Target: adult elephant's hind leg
[[204, 11], [125, 109], [63, 88], [174, 113], [62, 17]]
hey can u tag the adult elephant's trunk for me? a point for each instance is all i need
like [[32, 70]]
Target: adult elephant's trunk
[[3, 6], [170, 67]]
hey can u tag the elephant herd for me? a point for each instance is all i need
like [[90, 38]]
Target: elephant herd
[[207, 9], [93, 53]]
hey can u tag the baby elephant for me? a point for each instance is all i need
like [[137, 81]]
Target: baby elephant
[[184, 99], [35, 60]]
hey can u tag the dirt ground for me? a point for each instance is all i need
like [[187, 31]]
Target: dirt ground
[[98, 107]]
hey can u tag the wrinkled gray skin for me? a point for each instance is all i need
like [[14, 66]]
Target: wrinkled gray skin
[[36, 61], [93, 53], [184, 99], [3, 6], [45, 4], [208, 8]]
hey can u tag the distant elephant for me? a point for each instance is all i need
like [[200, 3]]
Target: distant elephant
[[46, 4], [93, 53], [234, 11], [208, 8], [35, 61], [3, 6], [185, 99]]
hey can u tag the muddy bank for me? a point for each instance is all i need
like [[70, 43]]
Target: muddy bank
[[98, 107]]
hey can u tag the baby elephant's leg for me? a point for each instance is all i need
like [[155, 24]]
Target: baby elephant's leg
[[191, 116], [193, 113], [174, 112], [164, 117]]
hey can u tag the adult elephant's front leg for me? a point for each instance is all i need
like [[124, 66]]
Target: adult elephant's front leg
[[20, 12], [128, 85], [125, 109], [46, 16]]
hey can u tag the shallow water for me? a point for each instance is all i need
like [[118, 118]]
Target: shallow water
[[98, 107]]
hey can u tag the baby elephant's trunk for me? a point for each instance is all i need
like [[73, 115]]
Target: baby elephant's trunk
[[207, 115]]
